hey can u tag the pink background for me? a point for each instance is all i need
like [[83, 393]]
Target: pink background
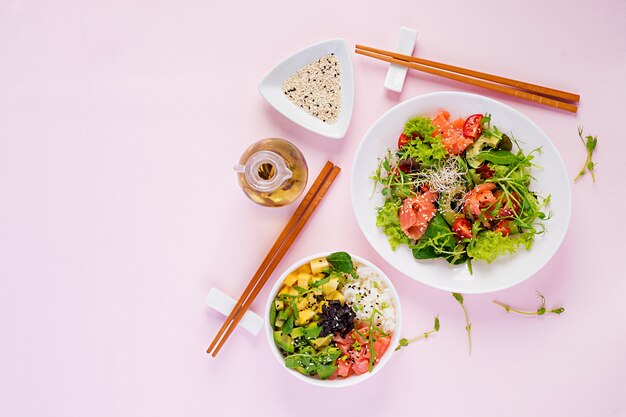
[[119, 125]]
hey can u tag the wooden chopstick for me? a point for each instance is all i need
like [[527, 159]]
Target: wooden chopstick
[[534, 88], [276, 253], [293, 220], [474, 81]]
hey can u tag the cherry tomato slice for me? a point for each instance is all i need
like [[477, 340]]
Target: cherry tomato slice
[[472, 127], [403, 140], [503, 227], [484, 171], [462, 228]]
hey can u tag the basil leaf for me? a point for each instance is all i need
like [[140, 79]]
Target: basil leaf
[[341, 261]]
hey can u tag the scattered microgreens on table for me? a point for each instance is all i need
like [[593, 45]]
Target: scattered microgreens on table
[[468, 326], [539, 312], [590, 143], [405, 342]]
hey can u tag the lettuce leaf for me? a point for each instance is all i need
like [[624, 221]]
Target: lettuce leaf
[[387, 219], [423, 147], [488, 245], [419, 126]]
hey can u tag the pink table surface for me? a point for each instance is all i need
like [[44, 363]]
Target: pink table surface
[[119, 125]]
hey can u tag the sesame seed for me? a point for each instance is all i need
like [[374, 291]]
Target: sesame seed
[[318, 83]]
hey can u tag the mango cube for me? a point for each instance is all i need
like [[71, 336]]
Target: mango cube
[[303, 280], [305, 316], [291, 279], [318, 265]]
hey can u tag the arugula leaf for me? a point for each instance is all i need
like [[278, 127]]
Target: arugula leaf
[[499, 157]]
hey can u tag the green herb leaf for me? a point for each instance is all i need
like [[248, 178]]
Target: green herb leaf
[[468, 326], [539, 312], [342, 261], [405, 342], [499, 157], [590, 143]]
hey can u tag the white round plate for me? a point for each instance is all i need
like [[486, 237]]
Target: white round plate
[[505, 271]]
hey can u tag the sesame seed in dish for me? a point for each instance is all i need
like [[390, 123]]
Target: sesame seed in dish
[[315, 88]]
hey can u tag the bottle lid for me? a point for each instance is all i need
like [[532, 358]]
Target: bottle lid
[[265, 171]]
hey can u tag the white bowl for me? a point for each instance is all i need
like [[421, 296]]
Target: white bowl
[[354, 379], [505, 271], [270, 88]]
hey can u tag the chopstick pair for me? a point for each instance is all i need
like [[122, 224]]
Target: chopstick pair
[[536, 93], [286, 238]]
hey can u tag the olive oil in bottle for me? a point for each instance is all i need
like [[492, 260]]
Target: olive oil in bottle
[[272, 172]]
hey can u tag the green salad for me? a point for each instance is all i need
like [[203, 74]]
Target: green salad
[[458, 190]]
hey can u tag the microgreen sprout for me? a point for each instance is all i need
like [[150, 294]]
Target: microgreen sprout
[[405, 342], [468, 326], [590, 143], [539, 312]]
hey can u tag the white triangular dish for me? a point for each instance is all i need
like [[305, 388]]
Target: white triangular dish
[[270, 88]]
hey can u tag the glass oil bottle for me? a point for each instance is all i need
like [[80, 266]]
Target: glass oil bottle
[[272, 172]]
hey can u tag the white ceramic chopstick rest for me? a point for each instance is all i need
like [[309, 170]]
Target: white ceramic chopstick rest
[[224, 304], [397, 73]]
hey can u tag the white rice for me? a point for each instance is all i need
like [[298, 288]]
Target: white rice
[[369, 292]]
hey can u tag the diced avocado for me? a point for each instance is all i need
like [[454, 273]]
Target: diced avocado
[[283, 341], [477, 147], [303, 280], [337, 295], [476, 178], [279, 305], [326, 371], [297, 332], [305, 268], [305, 316], [279, 323], [330, 286], [284, 314], [312, 331], [291, 279], [318, 265], [322, 341]]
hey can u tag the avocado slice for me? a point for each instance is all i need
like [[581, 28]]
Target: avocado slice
[[322, 341], [283, 341], [477, 147], [297, 332], [312, 331], [273, 314], [445, 208]]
